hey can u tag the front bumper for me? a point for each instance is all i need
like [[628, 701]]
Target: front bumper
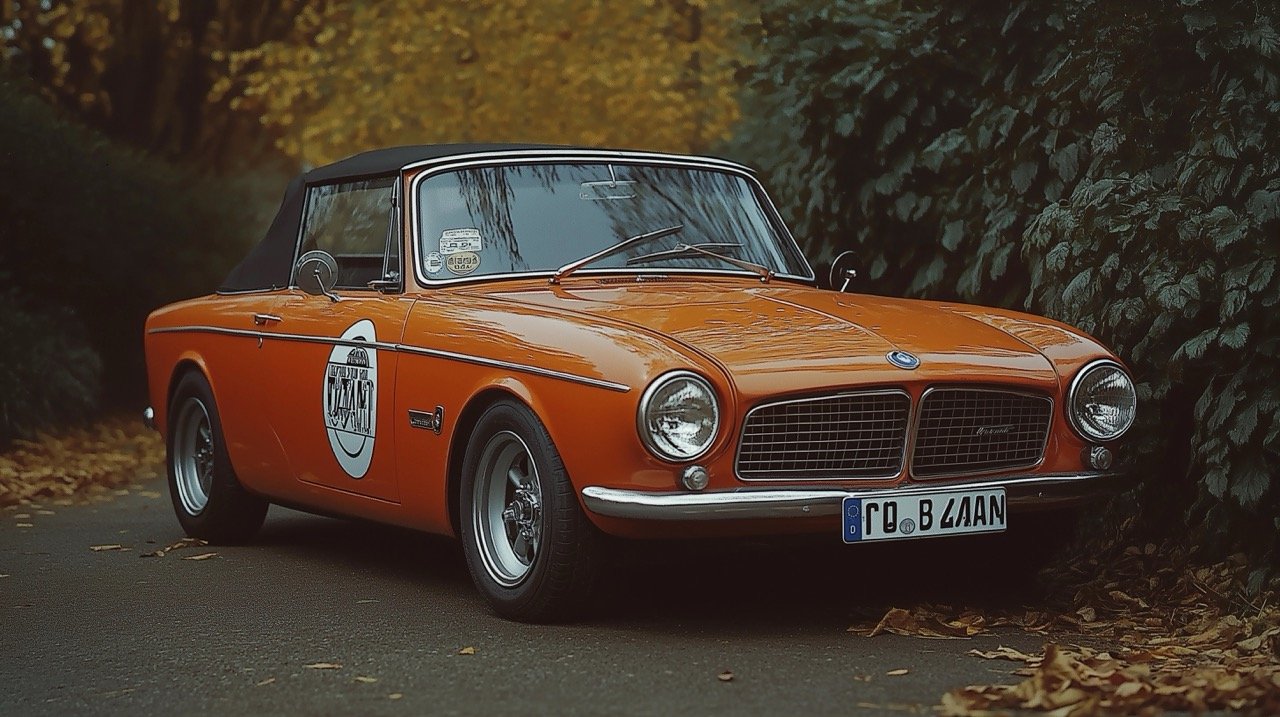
[[1039, 491]]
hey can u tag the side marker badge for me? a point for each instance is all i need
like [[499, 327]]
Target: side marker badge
[[427, 421]]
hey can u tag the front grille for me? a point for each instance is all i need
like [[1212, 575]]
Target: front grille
[[966, 430], [853, 435]]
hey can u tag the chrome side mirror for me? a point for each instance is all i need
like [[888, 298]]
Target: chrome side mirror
[[842, 271], [317, 273]]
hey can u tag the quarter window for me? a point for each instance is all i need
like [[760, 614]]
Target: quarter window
[[354, 222]]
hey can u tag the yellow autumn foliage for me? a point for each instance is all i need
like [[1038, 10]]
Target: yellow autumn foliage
[[654, 74]]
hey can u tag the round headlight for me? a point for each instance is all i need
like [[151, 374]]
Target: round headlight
[[1102, 402], [678, 416]]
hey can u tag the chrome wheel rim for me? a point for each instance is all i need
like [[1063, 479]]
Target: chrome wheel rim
[[507, 509], [193, 455]]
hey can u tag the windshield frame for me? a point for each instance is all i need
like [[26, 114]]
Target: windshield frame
[[603, 157]]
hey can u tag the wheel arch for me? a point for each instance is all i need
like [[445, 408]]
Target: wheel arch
[[184, 365], [462, 429]]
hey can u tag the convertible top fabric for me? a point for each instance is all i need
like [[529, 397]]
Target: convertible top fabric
[[270, 264]]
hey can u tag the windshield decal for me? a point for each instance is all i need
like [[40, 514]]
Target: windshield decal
[[433, 263], [351, 399], [456, 241], [462, 263]]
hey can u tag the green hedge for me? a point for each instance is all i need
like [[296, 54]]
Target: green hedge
[[93, 236], [1111, 164]]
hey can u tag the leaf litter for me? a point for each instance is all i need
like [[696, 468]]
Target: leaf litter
[[1180, 635], [78, 464], [179, 545]]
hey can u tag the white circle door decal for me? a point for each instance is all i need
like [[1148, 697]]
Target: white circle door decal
[[351, 399]]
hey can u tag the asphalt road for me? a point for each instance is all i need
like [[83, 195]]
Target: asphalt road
[[112, 633]]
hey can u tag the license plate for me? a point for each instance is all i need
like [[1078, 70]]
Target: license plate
[[924, 515]]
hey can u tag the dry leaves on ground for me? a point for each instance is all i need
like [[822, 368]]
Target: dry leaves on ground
[[179, 545], [1179, 636], [324, 666], [201, 556], [75, 464]]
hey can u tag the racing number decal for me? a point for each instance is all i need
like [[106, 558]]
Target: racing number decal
[[351, 399]]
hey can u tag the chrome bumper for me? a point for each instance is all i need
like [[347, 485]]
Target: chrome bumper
[[1048, 490]]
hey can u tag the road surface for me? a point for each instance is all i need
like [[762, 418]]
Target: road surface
[[110, 632]]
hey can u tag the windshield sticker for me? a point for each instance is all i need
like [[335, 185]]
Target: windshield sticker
[[351, 399], [433, 263], [463, 263], [456, 241]]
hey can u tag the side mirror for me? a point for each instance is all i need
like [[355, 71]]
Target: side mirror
[[842, 271], [317, 273]]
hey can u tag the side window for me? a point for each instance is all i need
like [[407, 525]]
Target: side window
[[354, 222]]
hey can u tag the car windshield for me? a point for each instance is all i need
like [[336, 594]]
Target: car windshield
[[535, 218]]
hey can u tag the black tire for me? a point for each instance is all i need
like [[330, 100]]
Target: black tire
[[561, 572], [207, 497]]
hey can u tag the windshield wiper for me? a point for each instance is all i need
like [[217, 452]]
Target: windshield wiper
[[573, 266], [684, 250]]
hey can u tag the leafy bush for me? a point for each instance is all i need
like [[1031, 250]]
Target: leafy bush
[[1111, 164], [91, 229], [46, 376]]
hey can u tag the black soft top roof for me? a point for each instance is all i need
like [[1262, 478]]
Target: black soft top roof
[[270, 263]]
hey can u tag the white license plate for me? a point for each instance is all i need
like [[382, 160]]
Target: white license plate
[[924, 515]]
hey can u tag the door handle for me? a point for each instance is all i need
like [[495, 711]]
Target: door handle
[[262, 319]]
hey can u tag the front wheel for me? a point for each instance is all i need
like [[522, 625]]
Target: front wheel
[[530, 549], [207, 497]]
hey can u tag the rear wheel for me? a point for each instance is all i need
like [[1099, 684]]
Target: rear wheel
[[209, 501], [530, 549]]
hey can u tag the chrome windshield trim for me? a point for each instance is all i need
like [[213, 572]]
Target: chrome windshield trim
[[501, 154], [758, 503], [486, 159], [400, 348]]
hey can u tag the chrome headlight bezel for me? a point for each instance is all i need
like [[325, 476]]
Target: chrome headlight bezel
[[642, 413], [1081, 427]]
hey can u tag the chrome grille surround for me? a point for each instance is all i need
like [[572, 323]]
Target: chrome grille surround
[[963, 430], [855, 435]]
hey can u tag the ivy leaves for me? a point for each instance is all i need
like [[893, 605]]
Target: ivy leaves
[[1113, 165]]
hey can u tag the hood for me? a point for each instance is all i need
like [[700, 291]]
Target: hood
[[780, 338]]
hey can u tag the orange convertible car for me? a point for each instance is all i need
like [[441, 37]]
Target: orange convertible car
[[529, 347]]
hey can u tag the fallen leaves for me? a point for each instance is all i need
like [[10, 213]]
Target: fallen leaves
[[268, 681], [179, 545], [1075, 680], [725, 676], [926, 622], [324, 666], [365, 679], [104, 548], [81, 463], [898, 672], [201, 556], [467, 651], [1180, 636]]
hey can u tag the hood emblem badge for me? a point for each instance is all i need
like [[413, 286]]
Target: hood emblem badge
[[902, 359]]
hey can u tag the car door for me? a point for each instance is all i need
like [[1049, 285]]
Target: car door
[[332, 406]]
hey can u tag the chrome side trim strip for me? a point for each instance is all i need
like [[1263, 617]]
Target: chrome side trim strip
[[523, 368], [400, 348], [1048, 489]]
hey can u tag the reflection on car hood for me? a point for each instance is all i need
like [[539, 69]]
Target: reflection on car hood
[[783, 337]]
